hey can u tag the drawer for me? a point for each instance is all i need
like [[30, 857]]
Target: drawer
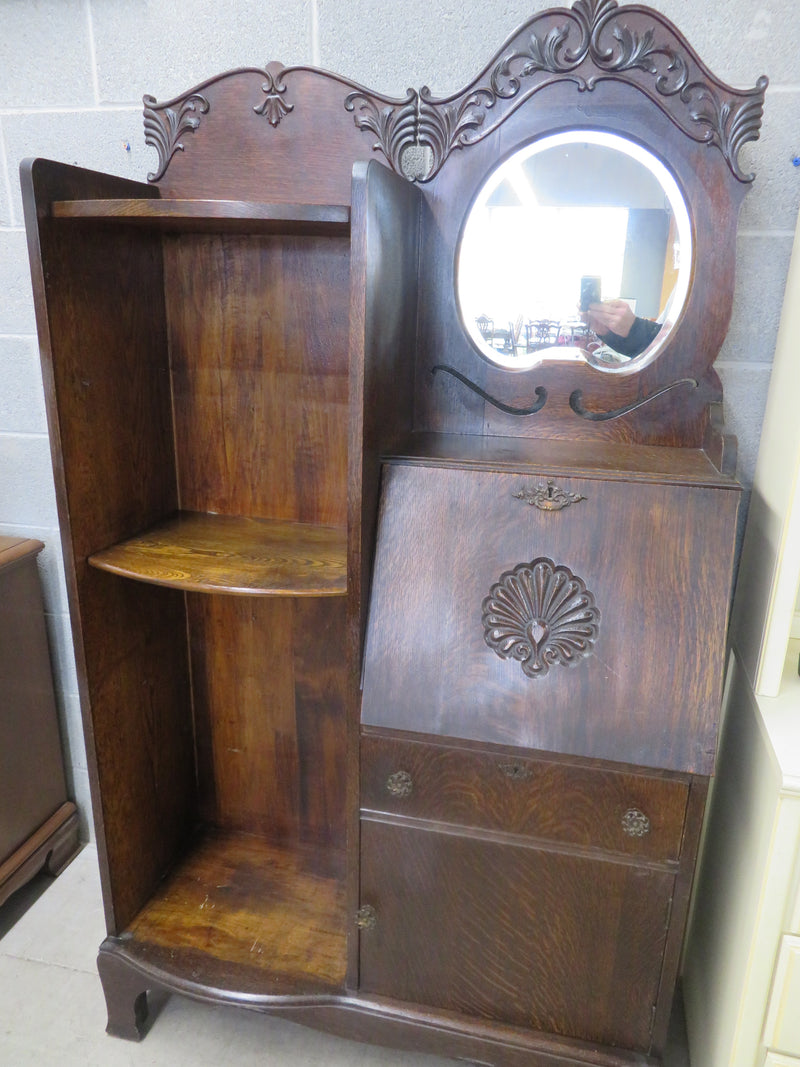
[[782, 1030], [592, 807]]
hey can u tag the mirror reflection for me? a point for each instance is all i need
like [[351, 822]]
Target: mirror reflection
[[577, 247]]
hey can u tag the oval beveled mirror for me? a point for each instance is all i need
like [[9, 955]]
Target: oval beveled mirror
[[577, 247]]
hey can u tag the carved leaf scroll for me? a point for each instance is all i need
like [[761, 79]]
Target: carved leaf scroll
[[542, 615], [164, 126], [594, 42]]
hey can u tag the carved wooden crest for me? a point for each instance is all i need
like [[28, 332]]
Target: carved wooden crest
[[593, 41]]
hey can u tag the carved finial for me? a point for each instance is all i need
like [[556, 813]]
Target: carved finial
[[274, 107]]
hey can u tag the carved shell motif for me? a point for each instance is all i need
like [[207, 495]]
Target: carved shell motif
[[542, 615]]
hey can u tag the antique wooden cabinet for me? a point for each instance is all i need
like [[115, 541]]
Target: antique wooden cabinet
[[400, 594]]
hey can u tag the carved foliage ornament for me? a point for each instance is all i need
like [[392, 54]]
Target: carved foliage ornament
[[164, 126], [592, 41], [542, 615], [595, 42]]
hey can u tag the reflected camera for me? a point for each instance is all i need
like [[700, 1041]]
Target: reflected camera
[[590, 291]]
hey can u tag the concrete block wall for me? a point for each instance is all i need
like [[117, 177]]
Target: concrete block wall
[[72, 74]]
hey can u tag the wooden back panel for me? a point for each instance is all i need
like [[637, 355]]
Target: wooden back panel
[[258, 330]]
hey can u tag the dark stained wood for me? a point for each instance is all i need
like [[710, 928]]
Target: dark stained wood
[[235, 152], [540, 458], [658, 560], [513, 933], [244, 338], [258, 331], [208, 215], [383, 312], [234, 554], [520, 794], [680, 911], [49, 848], [138, 678], [270, 720], [241, 914], [679, 417], [32, 781]]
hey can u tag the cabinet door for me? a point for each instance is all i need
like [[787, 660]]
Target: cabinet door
[[567, 943]]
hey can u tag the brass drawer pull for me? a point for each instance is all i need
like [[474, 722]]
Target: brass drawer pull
[[366, 917], [635, 823], [400, 784], [517, 772]]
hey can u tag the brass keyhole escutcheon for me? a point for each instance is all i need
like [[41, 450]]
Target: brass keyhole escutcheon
[[400, 784], [366, 917], [517, 772]]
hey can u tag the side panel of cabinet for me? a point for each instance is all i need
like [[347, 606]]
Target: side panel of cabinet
[[100, 310], [563, 943]]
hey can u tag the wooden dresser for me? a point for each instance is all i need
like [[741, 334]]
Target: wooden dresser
[[401, 628], [38, 824]]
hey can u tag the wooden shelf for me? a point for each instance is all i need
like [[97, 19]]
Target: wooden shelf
[[212, 215], [248, 916], [584, 459], [234, 554]]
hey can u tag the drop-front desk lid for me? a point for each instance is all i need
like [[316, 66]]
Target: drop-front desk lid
[[579, 610]]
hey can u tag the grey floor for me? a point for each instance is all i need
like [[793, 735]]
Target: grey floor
[[53, 1012]]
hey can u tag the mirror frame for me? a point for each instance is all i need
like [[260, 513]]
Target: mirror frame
[[595, 66]]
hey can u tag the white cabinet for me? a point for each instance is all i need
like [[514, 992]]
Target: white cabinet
[[741, 969]]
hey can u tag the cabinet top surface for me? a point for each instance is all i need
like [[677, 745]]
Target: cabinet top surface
[[609, 460], [16, 548]]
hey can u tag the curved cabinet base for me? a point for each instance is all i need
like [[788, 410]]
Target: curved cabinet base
[[127, 982]]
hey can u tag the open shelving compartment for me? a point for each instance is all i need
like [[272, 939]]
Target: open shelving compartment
[[200, 358], [221, 378]]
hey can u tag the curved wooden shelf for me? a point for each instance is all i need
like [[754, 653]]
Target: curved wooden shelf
[[211, 215], [234, 554], [273, 924]]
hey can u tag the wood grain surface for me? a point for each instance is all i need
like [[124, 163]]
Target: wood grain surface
[[658, 559], [522, 794], [234, 554], [240, 914], [258, 334], [208, 215], [269, 686], [513, 933]]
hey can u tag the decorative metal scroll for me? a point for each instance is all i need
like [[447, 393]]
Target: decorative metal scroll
[[540, 392], [576, 402], [549, 497], [542, 615]]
